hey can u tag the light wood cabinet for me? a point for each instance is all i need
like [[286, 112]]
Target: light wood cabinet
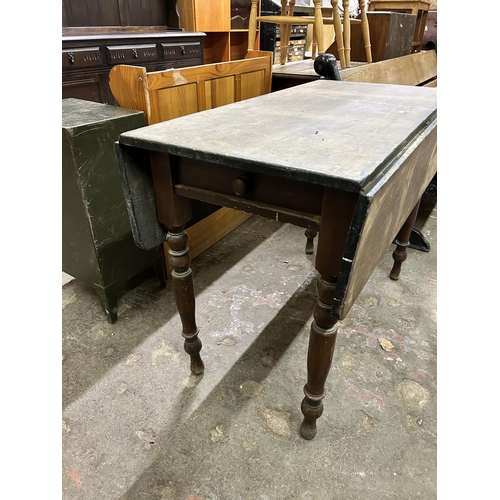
[[225, 23]]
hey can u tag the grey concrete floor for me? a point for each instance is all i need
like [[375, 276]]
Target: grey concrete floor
[[138, 425]]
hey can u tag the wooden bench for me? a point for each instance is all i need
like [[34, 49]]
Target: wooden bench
[[164, 95], [419, 68]]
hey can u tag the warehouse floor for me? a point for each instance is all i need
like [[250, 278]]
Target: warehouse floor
[[137, 425]]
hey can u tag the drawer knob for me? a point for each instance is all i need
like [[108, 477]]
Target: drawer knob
[[71, 57], [134, 53], [183, 49], [241, 186]]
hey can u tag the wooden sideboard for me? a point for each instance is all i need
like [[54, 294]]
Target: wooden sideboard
[[89, 53]]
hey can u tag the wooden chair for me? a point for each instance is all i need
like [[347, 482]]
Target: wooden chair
[[286, 20], [343, 36]]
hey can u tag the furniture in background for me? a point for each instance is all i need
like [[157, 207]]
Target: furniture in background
[[343, 33], [285, 21], [97, 243], [88, 54], [429, 40], [225, 23], [341, 25], [164, 95], [269, 35], [419, 68], [418, 7], [96, 37], [391, 35], [364, 157], [108, 13]]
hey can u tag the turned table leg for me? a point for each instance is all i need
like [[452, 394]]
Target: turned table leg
[[182, 278], [310, 235], [319, 357], [402, 241]]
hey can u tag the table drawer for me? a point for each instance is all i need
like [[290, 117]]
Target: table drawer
[[140, 53], [81, 58], [250, 186], [179, 50]]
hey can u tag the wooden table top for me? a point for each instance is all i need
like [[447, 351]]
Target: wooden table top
[[333, 133]]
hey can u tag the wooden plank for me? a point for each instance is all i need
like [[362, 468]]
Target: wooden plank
[[212, 15], [412, 69], [384, 211], [176, 101], [129, 87], [133, 88], [181, 76]]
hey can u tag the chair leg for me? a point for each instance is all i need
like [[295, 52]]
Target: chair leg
[[365, 29], [318, 27], [337, 24], [310, 235], [347, 34], [284, 41], [252, 25], [402, 242]]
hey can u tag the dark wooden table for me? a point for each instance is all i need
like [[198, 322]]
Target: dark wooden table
[[351, 160]]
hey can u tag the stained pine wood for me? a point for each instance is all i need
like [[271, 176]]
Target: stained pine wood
[[212, 15], [164, 95], [223, 41]]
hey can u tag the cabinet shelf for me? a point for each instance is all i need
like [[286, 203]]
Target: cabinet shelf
[[216, 18]]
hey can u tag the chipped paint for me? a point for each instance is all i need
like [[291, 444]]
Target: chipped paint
[[178, 78]]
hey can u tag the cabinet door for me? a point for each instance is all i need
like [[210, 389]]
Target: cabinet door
[[89, 87], [240, 14], [212, 15]]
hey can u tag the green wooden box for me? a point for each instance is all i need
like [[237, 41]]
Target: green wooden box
[[97, 243]]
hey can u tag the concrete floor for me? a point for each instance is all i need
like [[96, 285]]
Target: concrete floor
[[137, 425]]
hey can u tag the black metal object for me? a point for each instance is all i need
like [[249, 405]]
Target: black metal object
[[432, 188], [326, 66], [417, 241]]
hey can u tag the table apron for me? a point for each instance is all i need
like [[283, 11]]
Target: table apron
[[301, 219]]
